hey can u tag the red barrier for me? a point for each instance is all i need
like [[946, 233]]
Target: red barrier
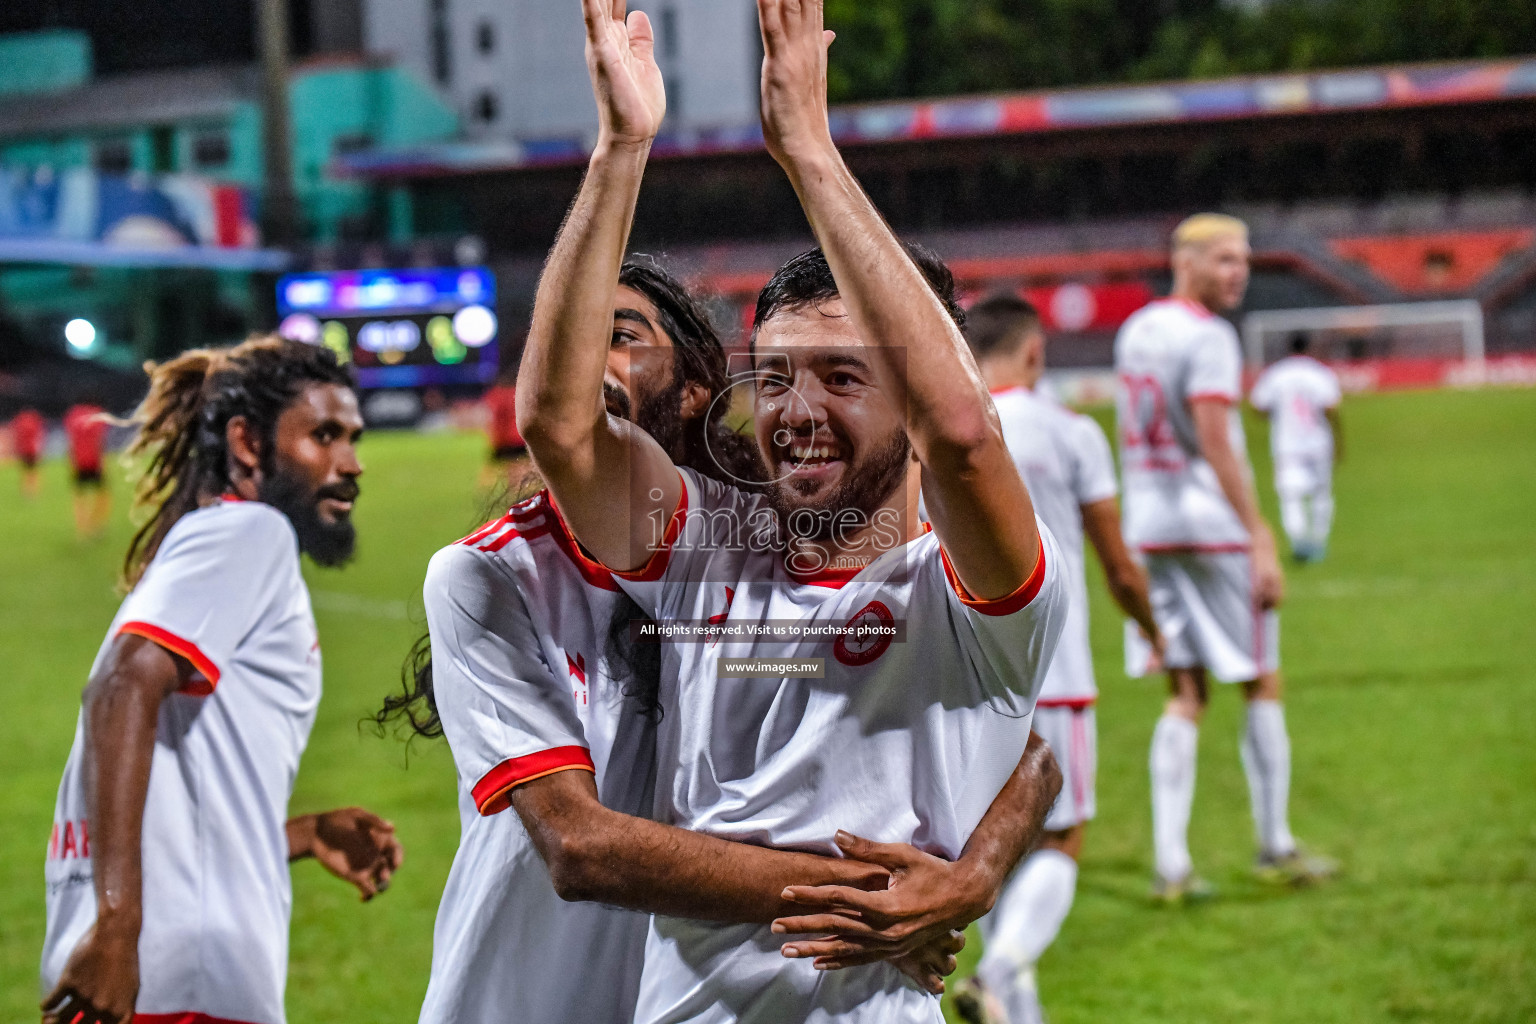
[[1430, 374]]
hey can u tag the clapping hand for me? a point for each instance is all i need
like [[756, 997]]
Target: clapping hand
[[794, 100], [621, 58]]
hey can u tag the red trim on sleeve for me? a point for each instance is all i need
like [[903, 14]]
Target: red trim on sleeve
[[653, 569], [1015, 601], [185, 648], [1213, 396], [493, 792], [1074, 703]]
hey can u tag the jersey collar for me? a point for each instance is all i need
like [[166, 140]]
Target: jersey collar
[[1197, 308], [836, 579]]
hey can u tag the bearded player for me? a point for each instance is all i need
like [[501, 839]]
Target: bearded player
[[1301, 397], [532, 657], [1191, 510], [901, 740], [1066, 462], [168, 888]]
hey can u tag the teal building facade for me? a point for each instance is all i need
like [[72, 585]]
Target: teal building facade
[[195, 136]]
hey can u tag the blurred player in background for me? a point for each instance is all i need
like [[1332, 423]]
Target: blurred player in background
[[551, 710], [508, 459], [1301, 397], [1066, 463], [168, 892], [28, 432], [85, 424], [1191, 510]]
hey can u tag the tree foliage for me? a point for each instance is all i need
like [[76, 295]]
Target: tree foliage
[[897, 48]]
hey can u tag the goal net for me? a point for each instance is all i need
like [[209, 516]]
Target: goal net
[[1413, 330]]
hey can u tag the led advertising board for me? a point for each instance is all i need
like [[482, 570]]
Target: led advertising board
[[398, 328]]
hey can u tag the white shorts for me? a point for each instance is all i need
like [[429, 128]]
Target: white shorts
[[1300, 475], [1204, 604], [1071, 730]]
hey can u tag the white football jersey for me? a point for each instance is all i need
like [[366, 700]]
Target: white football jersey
[[1167, 355], [1065, 460], [519, 623], [903, 738], [1296, 392], [224, 592]]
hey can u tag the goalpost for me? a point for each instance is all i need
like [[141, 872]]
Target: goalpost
[[1411, 330]]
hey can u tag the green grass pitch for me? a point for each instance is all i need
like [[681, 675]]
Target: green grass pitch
[[1409, 656]]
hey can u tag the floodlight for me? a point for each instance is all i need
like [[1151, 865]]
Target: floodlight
[[81, 334]]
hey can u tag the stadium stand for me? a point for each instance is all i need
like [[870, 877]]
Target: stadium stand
[[1363, 187]]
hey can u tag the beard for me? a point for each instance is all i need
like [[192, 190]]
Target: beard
[[330, 544], [864, 488], [616, 399], [658, 414]]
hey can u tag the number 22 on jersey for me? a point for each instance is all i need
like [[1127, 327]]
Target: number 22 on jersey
[[1146, 436]]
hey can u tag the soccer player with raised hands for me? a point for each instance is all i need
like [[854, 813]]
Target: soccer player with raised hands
[[927, 648]]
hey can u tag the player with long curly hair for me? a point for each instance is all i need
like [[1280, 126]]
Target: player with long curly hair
[[168, 889]]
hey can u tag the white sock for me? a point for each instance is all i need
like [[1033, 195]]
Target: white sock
[[1174, 745], [1322, 517], [1029, 915], [1266, 750], [1293, 516]]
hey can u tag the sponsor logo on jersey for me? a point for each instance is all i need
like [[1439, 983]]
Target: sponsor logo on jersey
[[69, 841]]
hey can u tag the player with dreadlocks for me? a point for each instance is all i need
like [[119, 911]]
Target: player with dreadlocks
[[168, 892]]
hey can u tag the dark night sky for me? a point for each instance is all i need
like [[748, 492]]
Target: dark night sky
[[138, 35]]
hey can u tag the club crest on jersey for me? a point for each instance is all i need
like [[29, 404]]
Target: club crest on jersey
[[854, 650]]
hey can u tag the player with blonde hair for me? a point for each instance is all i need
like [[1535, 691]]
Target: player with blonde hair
[[1191, 511]]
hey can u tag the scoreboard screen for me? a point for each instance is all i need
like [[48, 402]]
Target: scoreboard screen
[[398, 328]]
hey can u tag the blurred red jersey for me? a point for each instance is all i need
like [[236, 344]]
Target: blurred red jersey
[[87, 435], [27, 433], [501, 401]]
